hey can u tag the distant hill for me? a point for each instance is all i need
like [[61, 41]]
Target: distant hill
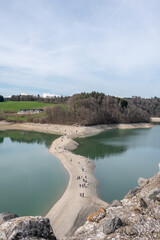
[[83, 108], [96, 108]]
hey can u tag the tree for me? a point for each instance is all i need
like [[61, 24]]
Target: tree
[[1, 98]]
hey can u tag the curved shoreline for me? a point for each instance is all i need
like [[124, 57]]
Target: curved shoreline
[[71, 210], [66, 210]]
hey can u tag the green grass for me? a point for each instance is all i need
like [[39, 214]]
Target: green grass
[[16, 106], [23, 119], [9, 109]]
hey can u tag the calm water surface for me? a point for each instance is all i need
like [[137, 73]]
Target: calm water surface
[[121, 157], [31, 179]]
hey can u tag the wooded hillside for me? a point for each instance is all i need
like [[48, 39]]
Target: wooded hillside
[[96, 108]]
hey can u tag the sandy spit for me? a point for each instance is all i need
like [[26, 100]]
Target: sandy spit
[[155, 119], [70, 130], [70, 212]]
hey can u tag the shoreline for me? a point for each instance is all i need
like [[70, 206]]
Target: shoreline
[[71, 210], [155, 119], [66, 211], [72, 131]]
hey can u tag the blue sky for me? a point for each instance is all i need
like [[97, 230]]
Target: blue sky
[[70, 46]]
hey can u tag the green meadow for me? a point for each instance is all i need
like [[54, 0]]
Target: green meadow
[[9, 109], [14, 106]]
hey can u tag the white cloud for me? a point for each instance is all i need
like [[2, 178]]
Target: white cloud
[[49, 95]]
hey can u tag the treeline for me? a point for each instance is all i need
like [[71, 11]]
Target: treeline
[[28, 137], [38, 98], [151, 105], [1, 98], [95, 108]]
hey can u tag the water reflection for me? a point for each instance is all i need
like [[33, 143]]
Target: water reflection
[[31, 179], [28, 137], [123, 156], [1, 139], [95, 150], [111, 142]]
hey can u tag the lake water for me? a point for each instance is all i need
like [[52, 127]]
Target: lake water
[[121, 157], [31, 179]]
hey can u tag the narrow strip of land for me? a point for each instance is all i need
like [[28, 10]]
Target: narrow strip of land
[[71, 130], [155, 119], [81, 192], [80, 197]]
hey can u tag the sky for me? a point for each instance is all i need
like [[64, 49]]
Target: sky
[[64, 47]]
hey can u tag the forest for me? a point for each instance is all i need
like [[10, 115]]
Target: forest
[[96, 108], [92, 108], [150, 105]]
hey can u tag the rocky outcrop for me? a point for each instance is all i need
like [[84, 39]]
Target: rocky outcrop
[[97, 216], [111, 225], [154, 194], [142, 181], [116, 203], [13, 227], [133, 192], [136, 217], [5, 216]]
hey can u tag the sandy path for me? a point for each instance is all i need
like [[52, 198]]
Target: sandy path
[[71, 210], [65, 211]]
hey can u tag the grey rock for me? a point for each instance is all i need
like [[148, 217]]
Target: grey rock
[[142, 181], [5, 216], [158, 197], [133, 192], [26, 227], [143, 203], [130, 230], [154, 194], [111, 225], [115, 203]]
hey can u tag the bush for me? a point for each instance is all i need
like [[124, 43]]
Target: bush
[[43, 120], [36, 120]]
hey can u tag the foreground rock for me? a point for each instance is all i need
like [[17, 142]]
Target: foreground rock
[[15, 228], [111, 225], [6, 216], [136, 217]]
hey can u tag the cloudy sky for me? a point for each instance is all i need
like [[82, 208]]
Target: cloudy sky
[[69, 46]]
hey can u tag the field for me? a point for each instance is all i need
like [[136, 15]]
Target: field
[[9, 109], [11, 106]]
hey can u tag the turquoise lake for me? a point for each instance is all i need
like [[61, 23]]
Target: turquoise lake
[[121, 157], [31, 179]]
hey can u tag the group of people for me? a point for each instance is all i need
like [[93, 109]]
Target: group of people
[[83, 185], [79, 177], [81, 194], [84, 180]]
